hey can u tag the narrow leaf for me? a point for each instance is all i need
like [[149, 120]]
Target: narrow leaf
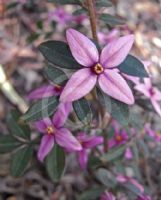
[[111, 20], [8, 143], [55, 75], [132, 66], [82, 109], [55, 163], [20, 161], [58, 53], [41, 109]]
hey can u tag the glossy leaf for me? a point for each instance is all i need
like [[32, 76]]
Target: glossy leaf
[[63, 2], [117, 109], [59, 54], [111, 20], [15, 127], [55, 163], [20, 160], [82, 109], [132, 66], [55, 75], [8, 143], [41, 109], [92, 193], [103, 3], [106, 178]]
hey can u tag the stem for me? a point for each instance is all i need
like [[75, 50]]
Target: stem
[[93, 20]]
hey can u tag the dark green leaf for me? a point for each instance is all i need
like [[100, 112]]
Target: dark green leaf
[[8, 143], [114, 154], [132, 66], [92, 193], [55, 75], [132, 188], [106, 178], [39, 24], [82, 109], [117, 109], [63, 2], [20, 161], [59, 54], [15, 127], [80, 11], [41, 109], [11, 5], [33, 36], [103, 3], [55, 163], [111, 20]]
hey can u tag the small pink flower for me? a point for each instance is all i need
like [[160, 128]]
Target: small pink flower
[[45, 91], [150, 92], [125, 179], [97, 67], [87, 142], [60, 16], [119, 138], [105, 38], [108, 196], [54, 132], [128, 154], [152, 133]]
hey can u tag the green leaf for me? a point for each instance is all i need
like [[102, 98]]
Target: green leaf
[[80, 11], [132, 66], [82, 109], [8, 143], [41, 109], [63, 2], [15, 127], [117, 109], [55, 74], [92, 193], [55, 163], [20, 161], [106, 178], [132, 188], [111, 20], [11, 5], [32, 37], [39, 24], [103, 3], [59, 54], [114, 154]]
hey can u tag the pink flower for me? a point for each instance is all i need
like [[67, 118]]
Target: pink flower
[[125, 179], [150, 92], [108, 196], [45, 91], [60, 15], [152, 133], [119, 138], [54, 132], [128, 153], [98, 67], [105, 38], [87, 142]]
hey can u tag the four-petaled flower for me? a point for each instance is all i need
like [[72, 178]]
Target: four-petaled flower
[[54, 132], [97, 67], [150, 92]]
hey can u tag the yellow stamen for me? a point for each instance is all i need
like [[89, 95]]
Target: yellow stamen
[[50, 130], [98, 69], [118, 138]]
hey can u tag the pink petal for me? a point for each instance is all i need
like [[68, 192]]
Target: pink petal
[[137, 185], [157, 95], [156, 106], [148, 83], [116, 51], [83, 49], [47, 143], [42, 92], [83, 158], [65, 139], [113, 84], [43, 124], [92, 141], [62, 114], [142, 88], [128, 153], [108, 196], [80, 84], [133, 79]]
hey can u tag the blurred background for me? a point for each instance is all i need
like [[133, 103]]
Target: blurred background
[[24, 24]]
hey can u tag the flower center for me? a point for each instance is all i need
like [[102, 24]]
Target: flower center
[[151, 91], [118, 138], [50, 130], [98, 69], [58, 88]]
